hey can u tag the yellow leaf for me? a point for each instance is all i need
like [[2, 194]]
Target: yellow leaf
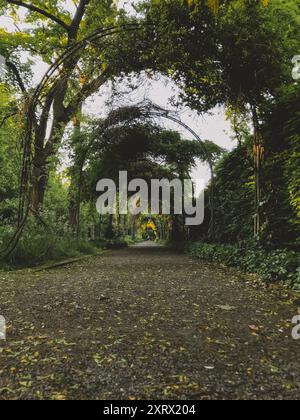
[[59, 397], [214, 6], [265, 3]]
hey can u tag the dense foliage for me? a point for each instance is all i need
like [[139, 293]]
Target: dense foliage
[[234, 183], [251, 257], [236, 54], [282, 170]]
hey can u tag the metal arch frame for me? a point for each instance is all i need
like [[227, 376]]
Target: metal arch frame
[[211, 168], [47, 78], [152, 110], [24, 194]]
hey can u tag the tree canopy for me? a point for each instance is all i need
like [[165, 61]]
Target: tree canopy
[[235, 54]]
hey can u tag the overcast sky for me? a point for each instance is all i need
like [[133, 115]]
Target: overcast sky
[[213, 127]]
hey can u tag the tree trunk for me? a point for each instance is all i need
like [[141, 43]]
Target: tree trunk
[[133, 228], [110, 229], [177, 234], [44, 150], [40, 177], [258, 151]]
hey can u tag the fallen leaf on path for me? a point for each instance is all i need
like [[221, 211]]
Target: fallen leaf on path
[[254, 328], [226, 307]]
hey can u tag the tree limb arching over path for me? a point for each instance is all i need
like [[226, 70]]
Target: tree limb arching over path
[[146, 323], [28, 166]]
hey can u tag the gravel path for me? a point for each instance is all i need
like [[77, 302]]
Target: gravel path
[[146, 323]]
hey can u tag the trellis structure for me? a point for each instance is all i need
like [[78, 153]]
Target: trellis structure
[[148, 110], [51, 76]]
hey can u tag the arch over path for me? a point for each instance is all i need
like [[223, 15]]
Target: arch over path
[[50, 77], [159, 112], [150, 110], [27, 160]]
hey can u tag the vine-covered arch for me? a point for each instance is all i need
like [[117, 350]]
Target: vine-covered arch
[[50, 77], [150, 110]]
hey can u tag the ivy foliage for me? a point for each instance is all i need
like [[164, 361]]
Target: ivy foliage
[[276, 265]]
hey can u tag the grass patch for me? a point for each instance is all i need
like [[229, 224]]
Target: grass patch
[[36, 249]]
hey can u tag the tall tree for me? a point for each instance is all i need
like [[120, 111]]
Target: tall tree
[[54, 28], [236, 53]]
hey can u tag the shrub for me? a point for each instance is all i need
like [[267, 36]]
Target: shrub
[[34, 249], [250, 257]]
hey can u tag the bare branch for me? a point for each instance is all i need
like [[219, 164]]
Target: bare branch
[[73, 30], [41, 12], [87, 90], [63, 115]]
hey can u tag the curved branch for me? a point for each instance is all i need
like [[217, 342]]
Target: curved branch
[[7, 117], [41, 12], [17, 75], [86, 91]]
